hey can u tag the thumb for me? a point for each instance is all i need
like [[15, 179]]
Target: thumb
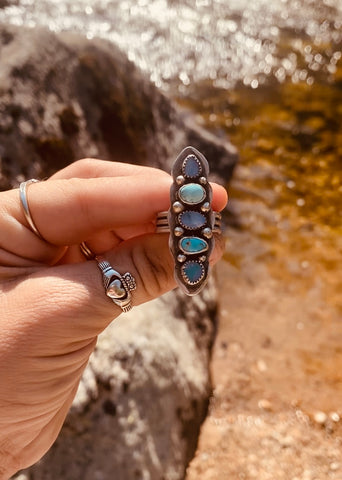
[[68, 303]]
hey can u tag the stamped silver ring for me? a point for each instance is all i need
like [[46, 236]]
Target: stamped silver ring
[[162, 223], [190, 220], [25, 205], [117, 287]]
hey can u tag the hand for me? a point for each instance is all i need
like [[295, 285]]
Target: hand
[[52, 301]]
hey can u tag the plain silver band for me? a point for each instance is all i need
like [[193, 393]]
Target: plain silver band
[[162, 223], [87, 252], [24, 203]]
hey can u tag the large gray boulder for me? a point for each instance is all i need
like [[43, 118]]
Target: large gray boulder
[[64, 97], [144, 395]]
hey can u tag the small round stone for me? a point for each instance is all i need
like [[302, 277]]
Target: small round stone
[[177, 207], [178, 231], [180, 179], [207, 232], [320, 417], [203, 180], [192, 193], [181, 258], [192, 272], [205, 207], [116, 289]]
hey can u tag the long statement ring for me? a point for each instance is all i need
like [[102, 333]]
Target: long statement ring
[[117, 287], [25, 205], [190, 220]]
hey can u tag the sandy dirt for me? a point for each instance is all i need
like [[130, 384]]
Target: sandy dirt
[[276, 408]]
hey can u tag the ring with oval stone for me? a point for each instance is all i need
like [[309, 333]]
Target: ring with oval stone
[[190, 220]]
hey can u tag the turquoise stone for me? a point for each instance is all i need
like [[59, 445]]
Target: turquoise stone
[[192, 272], [192, 245], [192, 193], [191, 220], [191, 167]]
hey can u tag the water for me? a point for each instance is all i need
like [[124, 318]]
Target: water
[[182, 42]]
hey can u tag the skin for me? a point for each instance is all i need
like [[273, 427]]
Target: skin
[[52, 301]]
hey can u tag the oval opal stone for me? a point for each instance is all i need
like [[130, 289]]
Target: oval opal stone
[[191, 220], [193, 245], [192, 193], [191, 167], [192, 272]]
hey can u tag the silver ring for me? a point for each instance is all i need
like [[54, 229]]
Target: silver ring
[[190, 220], [24, 203], [87, 252], [162, 222], [117, 287]]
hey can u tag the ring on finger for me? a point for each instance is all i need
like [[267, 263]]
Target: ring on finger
[[117, 287], [25, 205], [190, 220]]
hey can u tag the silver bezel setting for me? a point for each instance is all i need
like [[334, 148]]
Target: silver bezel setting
[[186, 278], [200, 169]]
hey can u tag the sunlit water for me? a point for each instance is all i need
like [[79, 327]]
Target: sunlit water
[[183, 41]]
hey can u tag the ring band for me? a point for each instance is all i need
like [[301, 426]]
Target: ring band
[[25, 205], [87, 252], [190, 220], [117, 287], [162, 222]]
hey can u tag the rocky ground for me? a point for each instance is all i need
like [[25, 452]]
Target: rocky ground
[[276, 408]]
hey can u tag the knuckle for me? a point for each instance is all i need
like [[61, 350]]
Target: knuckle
[[85, 167], [154, 270]]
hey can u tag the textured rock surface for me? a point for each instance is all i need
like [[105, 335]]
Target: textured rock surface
[[64, 97], [142, 398]]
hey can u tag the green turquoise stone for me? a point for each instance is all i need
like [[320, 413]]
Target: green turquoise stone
[[191, 220], [191, 167], [193, 245], [192, 272], [192, 193]]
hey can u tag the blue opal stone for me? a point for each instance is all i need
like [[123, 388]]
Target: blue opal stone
[[191, 167], [192, 245], [192, 272], [192, 193], [191, 220]]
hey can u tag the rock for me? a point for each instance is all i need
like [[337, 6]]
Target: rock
[[142, 398], [334, 466], [320, 418], [335, 417], [265, 404], [4, 3], [63, 97]]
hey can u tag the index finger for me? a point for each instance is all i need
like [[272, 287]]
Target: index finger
[[67, 211]]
